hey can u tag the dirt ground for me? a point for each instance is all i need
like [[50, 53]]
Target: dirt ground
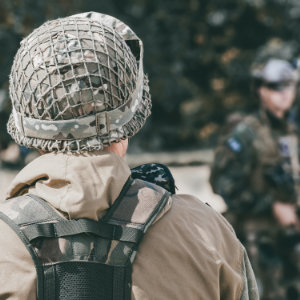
[[189, 180]]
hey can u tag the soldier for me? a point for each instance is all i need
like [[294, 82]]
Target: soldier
[[256, 171], [73, 218]]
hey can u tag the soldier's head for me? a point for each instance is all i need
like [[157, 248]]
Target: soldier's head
[[275, 78], [77, 84], [276, 86]]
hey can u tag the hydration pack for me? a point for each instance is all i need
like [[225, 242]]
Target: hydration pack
[[81, 258]]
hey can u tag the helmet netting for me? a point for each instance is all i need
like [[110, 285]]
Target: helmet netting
[[69, 68]]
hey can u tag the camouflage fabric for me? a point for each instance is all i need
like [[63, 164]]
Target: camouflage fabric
[[158, 174], [77, 84], [256, 163]]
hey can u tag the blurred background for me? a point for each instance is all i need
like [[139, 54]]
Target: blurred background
[[197, 56]]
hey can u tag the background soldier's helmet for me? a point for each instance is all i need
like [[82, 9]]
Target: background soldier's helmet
[[275, 63], [276, 71], [77, 84]]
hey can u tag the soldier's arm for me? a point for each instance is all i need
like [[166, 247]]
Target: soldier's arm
[[232, 171], [281, 183]]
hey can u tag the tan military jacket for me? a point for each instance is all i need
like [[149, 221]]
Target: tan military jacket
[[190, 252]]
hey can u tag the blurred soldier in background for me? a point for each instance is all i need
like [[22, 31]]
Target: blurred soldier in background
[[256, 171]]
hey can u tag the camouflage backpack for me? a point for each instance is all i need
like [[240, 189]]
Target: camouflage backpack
[[82, 258]]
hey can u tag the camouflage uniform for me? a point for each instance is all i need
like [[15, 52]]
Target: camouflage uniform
[[253, 167]]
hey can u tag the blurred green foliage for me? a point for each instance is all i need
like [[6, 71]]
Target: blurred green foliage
[[197, 56]]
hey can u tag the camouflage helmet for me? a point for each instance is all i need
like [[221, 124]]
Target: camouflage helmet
[[77, 84], [276, 71], [275, 62]]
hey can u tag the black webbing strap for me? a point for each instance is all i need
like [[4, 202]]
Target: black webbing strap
[[49, 283], [118, 283], [122, 283], [73, 227]]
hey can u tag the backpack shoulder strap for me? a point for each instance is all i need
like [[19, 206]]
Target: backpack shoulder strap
[[20, 212], [121, 230], [138, 205]]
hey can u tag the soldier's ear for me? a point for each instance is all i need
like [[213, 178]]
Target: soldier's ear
[[119, 148]]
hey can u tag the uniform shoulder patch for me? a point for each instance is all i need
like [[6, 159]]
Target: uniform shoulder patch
[[241, 138], [234, 144]]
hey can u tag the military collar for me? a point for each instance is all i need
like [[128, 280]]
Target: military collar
[[285, 123]]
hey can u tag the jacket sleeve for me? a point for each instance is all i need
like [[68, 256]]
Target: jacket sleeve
[[232, 172], [250, 290]]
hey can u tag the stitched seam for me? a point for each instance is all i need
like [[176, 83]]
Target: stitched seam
[[240, 264]]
